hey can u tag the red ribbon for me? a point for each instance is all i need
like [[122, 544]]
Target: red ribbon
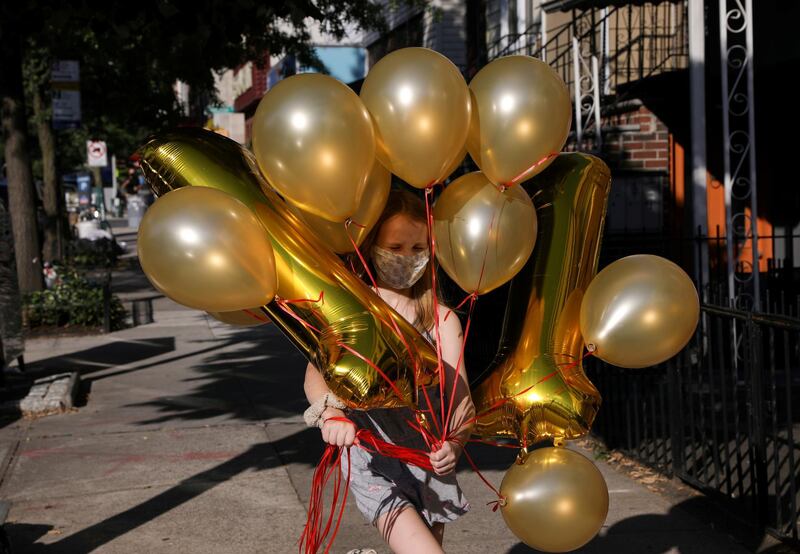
[[547, 158], [283, 304], [256, 316], [314, 535]]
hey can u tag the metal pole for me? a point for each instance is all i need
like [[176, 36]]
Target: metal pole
[[114, 175], [606, 53], [598, 137], [751, 123], [738, 124], [697, 80], [726, 139], [576, 75], [543, 24]]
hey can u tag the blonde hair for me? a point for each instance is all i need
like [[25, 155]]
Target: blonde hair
[[403, 202]]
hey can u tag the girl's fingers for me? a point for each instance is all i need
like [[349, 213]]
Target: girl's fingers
[[440, 465], [444, 470], [341, 435], [438, 455]]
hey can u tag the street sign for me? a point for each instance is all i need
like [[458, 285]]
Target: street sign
[[96, 153], [66, 109], [65, 76], [84, 181], [65, 71]]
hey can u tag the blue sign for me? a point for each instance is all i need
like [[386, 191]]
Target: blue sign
[[84, 182]]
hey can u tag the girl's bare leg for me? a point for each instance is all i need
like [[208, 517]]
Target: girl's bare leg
[[406, 533]]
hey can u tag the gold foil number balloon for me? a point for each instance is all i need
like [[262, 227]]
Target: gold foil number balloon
[[484, 235], [555, 500], [205, 249], [420, 105], [537, 370], [335, 235], [350, 334], [521, 114], [314, 142], [639, 311]]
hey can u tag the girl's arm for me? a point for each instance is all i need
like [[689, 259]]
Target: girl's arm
[[337, 433], [460, 427], [452, 338]]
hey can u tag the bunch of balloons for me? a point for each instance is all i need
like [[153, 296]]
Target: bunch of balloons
[[254, 237]]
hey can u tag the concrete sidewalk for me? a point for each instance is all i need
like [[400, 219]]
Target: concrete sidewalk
[[191, 440]]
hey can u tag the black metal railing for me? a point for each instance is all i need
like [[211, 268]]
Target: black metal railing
[[704, 257], [630, 42], [723, 415]]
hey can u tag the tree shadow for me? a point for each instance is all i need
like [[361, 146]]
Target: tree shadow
[[257, 365], [298, 447]]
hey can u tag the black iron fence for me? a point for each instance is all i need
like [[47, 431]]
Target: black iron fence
[[705, 258], [723, 415]]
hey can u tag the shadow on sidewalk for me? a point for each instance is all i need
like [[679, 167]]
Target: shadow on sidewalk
[[657, 533], [257, 365], [259, 457]]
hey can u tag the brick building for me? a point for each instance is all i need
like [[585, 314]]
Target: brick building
[[675, 96]]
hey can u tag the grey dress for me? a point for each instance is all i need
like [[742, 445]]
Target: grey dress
[[381, 485]]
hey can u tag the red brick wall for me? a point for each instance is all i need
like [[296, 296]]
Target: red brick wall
[[636, 140], [257, 90]]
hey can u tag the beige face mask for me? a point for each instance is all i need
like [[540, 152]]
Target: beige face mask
[[398, 271]]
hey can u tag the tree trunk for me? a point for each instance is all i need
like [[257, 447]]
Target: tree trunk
[[52, 197], [21, 193]]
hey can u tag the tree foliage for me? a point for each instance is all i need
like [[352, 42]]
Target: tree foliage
[[131, 54]]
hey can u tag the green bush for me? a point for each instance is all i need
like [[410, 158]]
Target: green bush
[[85, 253], [73, 301]]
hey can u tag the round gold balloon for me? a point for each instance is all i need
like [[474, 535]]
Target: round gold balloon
[[420, 106], [521, 114], [314, 142], [334, 235], [639, 311], [205, 249], [537, 371], [457, 161], [242, 318], [341, 326], [555, 500], [484, 235]]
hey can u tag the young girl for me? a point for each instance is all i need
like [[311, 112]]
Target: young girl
[[407, 504]]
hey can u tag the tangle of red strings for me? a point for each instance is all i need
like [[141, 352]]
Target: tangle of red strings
[[313, 536]]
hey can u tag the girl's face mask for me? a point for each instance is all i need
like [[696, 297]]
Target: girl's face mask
[[398, 271]]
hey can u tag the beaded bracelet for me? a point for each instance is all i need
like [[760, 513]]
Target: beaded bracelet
[[313, 415]]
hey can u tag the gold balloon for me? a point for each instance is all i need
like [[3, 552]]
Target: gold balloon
[[314, 142], [521, 114], [242, 318], [420, 106], [205, 249], [351, 333], [537, 369], [334, 235], [484, 235], [639, 311], [457, 161], [555, 500]]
